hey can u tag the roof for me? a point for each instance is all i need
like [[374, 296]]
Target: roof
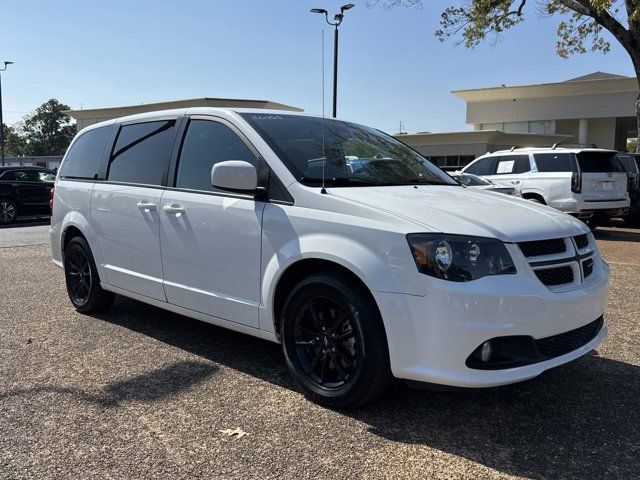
[[495, 137], [593, 83], [559, 148], [122, 111], [595, 76]]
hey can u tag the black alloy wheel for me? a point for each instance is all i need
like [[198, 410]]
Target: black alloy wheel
[[83, 282], [334, 341], [328, 344], [8, 211]]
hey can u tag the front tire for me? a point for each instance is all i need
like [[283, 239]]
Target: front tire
[[81, 275], [334, 341]]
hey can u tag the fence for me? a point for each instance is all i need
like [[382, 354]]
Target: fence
[[52, 161]]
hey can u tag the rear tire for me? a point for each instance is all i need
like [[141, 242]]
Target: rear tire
[[81, 275], [8, 211], [334, 341]]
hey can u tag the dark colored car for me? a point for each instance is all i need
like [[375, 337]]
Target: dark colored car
[[24, 191], [631, 162]]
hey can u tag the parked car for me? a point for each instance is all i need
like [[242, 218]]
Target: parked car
[[587, 183], [473, 181], [630, 163], [254, 221], [24, 191]]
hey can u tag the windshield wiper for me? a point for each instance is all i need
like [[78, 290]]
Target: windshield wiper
[[341, 182]]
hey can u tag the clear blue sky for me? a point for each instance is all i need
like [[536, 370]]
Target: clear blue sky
[[392, 68]]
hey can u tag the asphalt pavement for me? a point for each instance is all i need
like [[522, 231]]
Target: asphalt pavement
[[142, 393]]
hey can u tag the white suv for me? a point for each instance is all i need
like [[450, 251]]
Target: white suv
[[364, 261], [588, 183]]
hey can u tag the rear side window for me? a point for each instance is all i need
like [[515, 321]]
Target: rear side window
[[142, 152], [83, 158], [207, 143], [554, 162], [599, 162], [522, 164], [506, 164], [485, 166]]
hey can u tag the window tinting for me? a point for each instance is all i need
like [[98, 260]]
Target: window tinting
[[629, 163], [29, 176], [522, 164], [344, 154], [83, 158], [553, 162], [485, 166], [142, 152], [207, 143], [599, 162]]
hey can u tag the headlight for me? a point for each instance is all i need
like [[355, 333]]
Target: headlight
[[459, 258]]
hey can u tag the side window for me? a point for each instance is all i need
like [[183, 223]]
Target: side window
[[506, 164], [142, 152], [9, 176], [553, 162], [46, 176], [523, 165], [83, 159], [205, 144], [486, 166]]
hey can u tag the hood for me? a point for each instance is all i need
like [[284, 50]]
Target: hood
[[467, 211]]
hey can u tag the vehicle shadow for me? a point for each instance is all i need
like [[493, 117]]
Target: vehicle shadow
[[576, 421], [624, 234], [148, 387], [27, 222]]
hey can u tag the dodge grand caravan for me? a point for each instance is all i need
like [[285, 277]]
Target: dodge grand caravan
[[344, 245]]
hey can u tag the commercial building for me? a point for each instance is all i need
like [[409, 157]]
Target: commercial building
[[597, 109], [89, 117]]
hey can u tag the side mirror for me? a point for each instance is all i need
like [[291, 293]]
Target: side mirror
[[235, 176]]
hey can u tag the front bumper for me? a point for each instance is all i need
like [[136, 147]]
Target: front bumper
[[430, 337]]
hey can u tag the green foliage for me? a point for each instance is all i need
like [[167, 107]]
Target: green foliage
[[580, 29], [14, 143], [48, 131]]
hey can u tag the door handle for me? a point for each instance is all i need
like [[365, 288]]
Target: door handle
[[173, 208], [146, 206], [515, 182]]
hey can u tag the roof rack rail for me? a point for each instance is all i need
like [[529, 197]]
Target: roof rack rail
[[513, 147]]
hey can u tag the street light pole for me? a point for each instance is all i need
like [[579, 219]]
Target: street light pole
[[336, 23], [1, 121]]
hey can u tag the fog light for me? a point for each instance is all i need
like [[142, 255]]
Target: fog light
[[486, 351]]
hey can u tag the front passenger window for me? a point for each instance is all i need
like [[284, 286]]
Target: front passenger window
[[205, 144]]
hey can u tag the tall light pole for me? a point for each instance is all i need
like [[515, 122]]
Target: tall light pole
[[337, 20], [1, 121]]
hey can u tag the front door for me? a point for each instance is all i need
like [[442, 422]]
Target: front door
[[211, 240]]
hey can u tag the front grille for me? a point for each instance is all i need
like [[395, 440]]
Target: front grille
[[582, 241], [567, 342], [555, 276], [587, 267], [543, 247]]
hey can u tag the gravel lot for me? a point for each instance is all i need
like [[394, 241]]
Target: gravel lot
[[143, 393]]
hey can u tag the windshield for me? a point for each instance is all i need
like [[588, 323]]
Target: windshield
[[629, 163], [351, 155], [469, 180]]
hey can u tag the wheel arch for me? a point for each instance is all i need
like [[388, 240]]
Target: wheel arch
[[75, 224], [303, 268], [529, 194]]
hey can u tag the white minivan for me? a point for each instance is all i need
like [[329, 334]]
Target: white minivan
[[362, 259]]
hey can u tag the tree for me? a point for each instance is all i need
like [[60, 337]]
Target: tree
[[14, 143], [48, 131], [580, 30]]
